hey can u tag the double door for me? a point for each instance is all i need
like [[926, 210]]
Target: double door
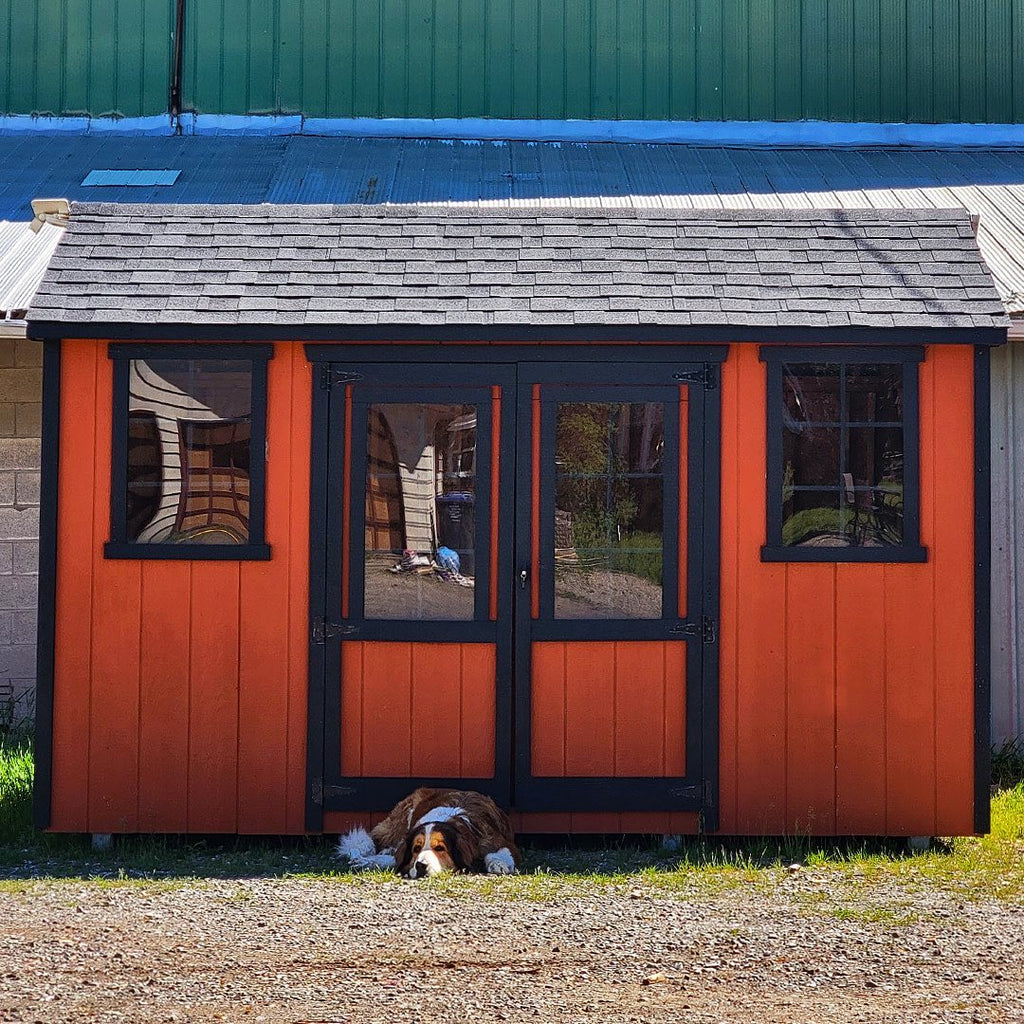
[[514, 583]]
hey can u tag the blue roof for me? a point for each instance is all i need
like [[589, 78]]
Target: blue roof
[[305, 169]]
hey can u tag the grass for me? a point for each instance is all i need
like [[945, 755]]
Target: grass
[[867, 879]]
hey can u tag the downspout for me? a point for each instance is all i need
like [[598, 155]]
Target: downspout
[[176, 66]]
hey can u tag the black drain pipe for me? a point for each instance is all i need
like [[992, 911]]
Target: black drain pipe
[[176, 68]]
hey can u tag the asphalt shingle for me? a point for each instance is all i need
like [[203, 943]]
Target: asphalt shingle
[[348, 265]]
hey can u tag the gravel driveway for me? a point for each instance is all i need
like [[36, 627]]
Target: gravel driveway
[[808, 946]]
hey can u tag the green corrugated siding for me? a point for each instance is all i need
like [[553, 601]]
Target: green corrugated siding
[[843, 60], [99, 57]]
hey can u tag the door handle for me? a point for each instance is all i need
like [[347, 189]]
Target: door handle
[[524, 575]]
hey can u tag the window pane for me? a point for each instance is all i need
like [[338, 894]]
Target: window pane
[[874, 393], [810, 457], [814, 519], [189, 424], [420, 511], [810, 393], [609, 510]]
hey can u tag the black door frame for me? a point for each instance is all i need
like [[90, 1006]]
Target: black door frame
[[400, 365], [698, 790]]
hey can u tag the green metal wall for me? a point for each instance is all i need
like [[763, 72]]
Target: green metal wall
[[99, 57], [862, 60]]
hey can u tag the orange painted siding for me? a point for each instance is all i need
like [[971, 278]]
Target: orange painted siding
[[179, 687], [608, 709], [847, 690], [417, 709]]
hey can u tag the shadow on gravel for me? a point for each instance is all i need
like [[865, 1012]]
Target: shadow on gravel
[[146, 857]]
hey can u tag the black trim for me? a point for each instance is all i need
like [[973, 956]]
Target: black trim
[[47, 607], [376, 362], [256, 548], [177, 60], [547, 333], [982, 590], [910, 550]]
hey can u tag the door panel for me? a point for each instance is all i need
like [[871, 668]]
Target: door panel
[[416, 627], [612, 703]]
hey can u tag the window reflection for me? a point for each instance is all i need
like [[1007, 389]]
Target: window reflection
[[842, 450], [420, 558], [609, 510], [189, 425]]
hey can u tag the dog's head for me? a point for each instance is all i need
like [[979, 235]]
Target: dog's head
[[433, 847]]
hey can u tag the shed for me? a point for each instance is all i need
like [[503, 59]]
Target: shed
[[638, 520]]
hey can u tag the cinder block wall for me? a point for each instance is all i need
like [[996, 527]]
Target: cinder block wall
[[20, 409]]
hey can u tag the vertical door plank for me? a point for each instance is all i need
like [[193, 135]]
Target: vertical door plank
[[163, 696], [589, 708], [479, 679], [436, 742], [640, 718], [674, 724], [387, 709], [352, 675], [547, 709]]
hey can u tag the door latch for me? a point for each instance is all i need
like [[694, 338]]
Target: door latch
[[524, 575]]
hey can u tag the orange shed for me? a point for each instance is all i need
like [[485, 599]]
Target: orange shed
[[639, 521]]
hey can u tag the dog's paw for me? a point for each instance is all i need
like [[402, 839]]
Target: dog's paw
[[500, 862], [356, 846]]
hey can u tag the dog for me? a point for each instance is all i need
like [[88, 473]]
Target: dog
[[436, 830]]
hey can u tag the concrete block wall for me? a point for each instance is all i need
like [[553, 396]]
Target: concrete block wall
[[20, 408]]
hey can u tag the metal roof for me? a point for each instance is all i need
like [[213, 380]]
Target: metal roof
[[303, 169], [376, 271], [25, 251]]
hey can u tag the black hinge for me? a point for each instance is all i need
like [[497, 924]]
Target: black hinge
[[330, 377], [317, 791], [706, 629], [323, 630], [685, 792], [706, 376]]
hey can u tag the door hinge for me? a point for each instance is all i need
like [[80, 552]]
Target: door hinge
[[706, 629], [317, 791], [331, 377], [323, 630], [706, 376], [685, 792]]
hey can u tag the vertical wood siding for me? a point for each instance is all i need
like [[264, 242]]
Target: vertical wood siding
[[847, 690], [180, 687], [99, 57], [869, 60], [1007, 542]]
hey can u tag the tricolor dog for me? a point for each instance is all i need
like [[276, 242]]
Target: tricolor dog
[[436, 830]]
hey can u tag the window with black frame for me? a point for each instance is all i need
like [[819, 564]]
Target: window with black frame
[[842, 456], [188, 452]]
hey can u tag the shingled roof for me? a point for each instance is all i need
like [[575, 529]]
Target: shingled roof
[[449, 272]]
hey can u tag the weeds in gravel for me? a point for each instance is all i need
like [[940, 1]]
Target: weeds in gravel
[[986, 867]]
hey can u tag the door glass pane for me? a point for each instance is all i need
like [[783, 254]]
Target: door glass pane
[[420, 511], [609, 510]]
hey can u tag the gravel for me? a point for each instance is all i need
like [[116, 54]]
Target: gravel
[[804, 947]]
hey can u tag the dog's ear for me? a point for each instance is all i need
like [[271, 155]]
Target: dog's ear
[[461, 845], [403, 853]]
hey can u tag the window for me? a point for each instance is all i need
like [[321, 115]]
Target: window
[[842, 455], [188, 451]]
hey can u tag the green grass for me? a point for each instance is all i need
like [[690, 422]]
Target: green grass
[[971, 868]]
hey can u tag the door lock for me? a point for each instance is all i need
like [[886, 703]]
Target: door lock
[[524, 575]]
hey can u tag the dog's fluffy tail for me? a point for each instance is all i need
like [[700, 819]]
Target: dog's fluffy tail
[[359, 850], [356, 846]]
